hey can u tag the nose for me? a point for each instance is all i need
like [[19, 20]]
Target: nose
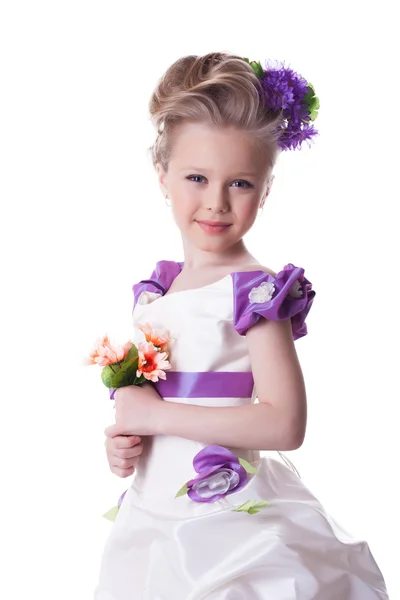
[[217, 199]]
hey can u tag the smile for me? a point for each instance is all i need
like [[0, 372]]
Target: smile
[[213, 226]]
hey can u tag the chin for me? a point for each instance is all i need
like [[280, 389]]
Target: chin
[[207, 246], [212, 245]]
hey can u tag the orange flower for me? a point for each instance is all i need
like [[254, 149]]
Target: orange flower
[[104, 353], [154, 337], [152, 363]]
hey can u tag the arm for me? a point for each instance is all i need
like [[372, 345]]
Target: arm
[[278, 422]]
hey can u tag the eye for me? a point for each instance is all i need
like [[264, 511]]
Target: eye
[[195, 177], [243, 184]]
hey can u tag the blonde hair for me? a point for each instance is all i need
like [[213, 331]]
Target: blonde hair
[[219, 89]]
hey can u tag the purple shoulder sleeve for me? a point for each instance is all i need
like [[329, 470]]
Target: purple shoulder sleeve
[[159, 281], [257, 294]]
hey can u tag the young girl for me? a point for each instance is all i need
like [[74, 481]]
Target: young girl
[[241, 527]]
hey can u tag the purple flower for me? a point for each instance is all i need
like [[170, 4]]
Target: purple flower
[[293, 136], [219, 474], [287, 91]]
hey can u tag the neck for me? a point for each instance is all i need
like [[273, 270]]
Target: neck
[[195, 258]]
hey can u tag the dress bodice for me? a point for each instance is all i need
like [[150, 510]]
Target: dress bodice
[[200, 322], [207, 325]]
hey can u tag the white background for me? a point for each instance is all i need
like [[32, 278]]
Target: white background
[[82, 219]]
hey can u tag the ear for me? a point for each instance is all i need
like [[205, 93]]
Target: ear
[[267, 190], [162, 175]]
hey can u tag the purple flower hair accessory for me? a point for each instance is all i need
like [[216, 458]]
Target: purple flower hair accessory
[[285, 90], [219, 473]]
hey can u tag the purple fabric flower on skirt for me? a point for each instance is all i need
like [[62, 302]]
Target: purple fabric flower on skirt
[[219, 474]]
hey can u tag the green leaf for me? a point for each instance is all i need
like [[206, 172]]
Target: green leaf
[[247, 60], [252, 506], [111, 515], [257, 68], [311, 88], [184, 490], [312, 102], [108, 372], [261, 504], [133, 353], [127, 372], [244, 507], [247, 466], [308, 99]]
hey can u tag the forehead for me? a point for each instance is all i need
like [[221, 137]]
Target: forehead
[[216, 148]]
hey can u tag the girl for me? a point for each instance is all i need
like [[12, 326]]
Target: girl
[[206, 517]]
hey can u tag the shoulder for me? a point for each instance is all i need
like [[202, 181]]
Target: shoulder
[[158, 283], [260, 268], [260, 293]]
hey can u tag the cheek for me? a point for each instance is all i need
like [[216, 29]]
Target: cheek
[[247, 212], [184, 203], [182, 210]]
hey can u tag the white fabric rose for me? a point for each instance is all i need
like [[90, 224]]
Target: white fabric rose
[[262, 293], [148, 297], [219, 482]]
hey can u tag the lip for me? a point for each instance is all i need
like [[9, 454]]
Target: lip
[[214, 223], [213, 227]]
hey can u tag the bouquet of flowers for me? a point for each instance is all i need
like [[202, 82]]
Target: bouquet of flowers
[[132, 364]]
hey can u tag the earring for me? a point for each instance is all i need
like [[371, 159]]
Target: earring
[[166, 198], [260, 212]]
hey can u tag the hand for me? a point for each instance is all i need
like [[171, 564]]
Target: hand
[[123, 454], [136, 411]]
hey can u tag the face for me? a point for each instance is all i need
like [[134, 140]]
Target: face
[[216, 181]]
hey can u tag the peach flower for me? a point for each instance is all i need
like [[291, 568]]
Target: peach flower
[[155, 337], [105, 353], [152, 363]]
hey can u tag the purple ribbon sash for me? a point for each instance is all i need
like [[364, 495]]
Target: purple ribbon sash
[[204, 384], [208, 384]]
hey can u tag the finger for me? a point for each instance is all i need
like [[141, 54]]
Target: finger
[[129, 452], [124, 463], [123, 472], [126, 441], [113, 431], [122, 441]]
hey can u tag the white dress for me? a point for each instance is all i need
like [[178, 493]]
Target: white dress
[[166, 548]]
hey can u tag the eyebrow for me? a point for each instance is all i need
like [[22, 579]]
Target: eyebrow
[[203, 170]]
